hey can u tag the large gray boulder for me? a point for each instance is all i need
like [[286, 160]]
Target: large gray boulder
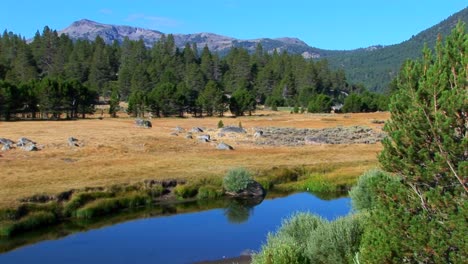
[[196, 130], [204, 138], [254, 189], [6, 141], [6, 147], [22, 142], [30, 147], [143, 123], [258, 134], [224, 146], [232, 129], [73, 142]]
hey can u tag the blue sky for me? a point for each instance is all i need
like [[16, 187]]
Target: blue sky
[[327, 24]]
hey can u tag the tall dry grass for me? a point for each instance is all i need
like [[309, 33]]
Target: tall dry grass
[[116, 151]]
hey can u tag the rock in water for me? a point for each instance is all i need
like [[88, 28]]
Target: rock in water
[[254, 189]]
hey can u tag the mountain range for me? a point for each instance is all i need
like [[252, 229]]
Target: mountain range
[[374, 66]]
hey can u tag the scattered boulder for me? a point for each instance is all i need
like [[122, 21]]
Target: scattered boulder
[[196, 130], [30, 147], [6, 141], [174, 134], [188, 136], [224, 146], [204, 138], [254, 189], [73, 142], [24, 141], [147, 124], [258, 134], [232, 129], [178, 129], [139, 122], [143, 123], [6, 147]]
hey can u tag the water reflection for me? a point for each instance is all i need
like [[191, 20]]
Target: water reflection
[[233, 225], [238, 211]]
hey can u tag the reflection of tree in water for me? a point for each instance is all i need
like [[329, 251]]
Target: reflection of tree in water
[[238, 210]]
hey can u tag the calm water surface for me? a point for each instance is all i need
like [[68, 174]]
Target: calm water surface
[[182, 238]]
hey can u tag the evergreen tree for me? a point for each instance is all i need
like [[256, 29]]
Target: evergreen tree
[[321, 103], [114, 102], [100, 69], [211, 99], [423, 219]]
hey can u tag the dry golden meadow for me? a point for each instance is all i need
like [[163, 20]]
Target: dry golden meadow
[[116, 151]]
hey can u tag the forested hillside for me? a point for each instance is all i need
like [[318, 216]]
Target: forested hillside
[[54, 75], [375, 68]]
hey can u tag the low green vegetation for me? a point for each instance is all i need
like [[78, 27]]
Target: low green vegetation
[[112, 205], [306, 238], [237, 179], [27, 223]]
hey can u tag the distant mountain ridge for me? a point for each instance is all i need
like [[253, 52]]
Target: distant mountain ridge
[[374, 66], [89, 30]]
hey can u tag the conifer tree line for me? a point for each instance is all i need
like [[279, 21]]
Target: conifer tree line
[[55, 77]]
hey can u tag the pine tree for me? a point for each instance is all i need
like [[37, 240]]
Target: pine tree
[[423, 219], [114, 102]]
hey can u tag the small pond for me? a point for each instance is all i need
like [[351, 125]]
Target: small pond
[[185, 233]]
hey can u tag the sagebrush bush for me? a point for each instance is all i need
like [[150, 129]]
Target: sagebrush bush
[[280, 249], [288, 244], [307, 238], [336, 241], [363, 194], [237, 179]]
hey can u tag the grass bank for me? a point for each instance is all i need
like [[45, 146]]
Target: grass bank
[[42, 210]]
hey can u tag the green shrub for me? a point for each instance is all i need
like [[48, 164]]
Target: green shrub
[[296, 109], [209, 192], [186, 191], [306, 238], [289, 243], [27, 223], [237, 179], [363, 194], [220, 124], [280, 249], [335, 242]]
